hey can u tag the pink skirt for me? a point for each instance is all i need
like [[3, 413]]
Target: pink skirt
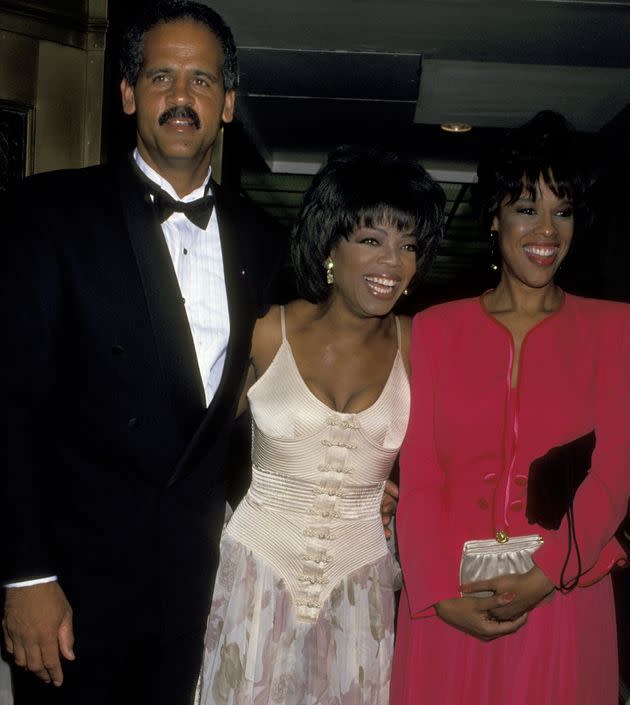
[[566, 654]]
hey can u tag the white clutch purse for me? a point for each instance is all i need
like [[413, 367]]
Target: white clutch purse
[[490, 558]]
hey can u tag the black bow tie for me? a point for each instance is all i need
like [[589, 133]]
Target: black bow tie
[[198, 211]]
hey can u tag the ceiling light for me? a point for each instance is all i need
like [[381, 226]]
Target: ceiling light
[[456, 127]]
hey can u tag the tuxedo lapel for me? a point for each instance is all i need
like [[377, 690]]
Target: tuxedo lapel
[[164, 302], [241, 321]]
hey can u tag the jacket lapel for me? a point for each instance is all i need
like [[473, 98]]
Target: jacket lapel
[[164, 302], [241, 322]]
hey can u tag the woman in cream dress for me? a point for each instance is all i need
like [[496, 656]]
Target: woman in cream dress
[[303, 607]]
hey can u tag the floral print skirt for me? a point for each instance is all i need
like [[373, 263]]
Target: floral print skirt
[[257, 653]]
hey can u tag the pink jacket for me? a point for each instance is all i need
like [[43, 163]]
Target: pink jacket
[[471, 437]]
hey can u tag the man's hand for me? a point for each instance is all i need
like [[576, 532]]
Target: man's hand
[[472, 615], [37, 627], [388, 505], [529, 589]]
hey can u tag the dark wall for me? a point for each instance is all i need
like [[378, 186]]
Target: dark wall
[[118, 131]]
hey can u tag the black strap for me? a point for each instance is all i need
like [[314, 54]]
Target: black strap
[[568, 585]]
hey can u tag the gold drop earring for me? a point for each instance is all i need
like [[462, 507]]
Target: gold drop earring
[[329, 265]]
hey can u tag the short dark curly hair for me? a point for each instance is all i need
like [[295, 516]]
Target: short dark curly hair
[[163, 11], [361, 186], [547, 146]]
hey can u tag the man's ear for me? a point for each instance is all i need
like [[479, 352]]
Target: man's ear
[[128, 97], [228, 105]]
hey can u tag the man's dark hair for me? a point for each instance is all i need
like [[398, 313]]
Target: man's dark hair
[[163, 11], [545, 146], [358, 187]]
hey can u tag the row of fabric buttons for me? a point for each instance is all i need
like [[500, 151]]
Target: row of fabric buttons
[[337, 442]]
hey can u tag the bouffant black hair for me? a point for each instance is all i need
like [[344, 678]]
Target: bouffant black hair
[[547, 147], [362, 187]]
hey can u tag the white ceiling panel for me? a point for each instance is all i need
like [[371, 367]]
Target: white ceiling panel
[[504, 95]]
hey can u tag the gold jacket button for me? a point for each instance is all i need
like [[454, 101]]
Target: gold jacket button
[[502, 536]]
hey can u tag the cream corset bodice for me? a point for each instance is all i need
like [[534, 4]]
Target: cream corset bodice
[[312, 510]]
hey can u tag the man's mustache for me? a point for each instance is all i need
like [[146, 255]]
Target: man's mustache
[[180, 113]]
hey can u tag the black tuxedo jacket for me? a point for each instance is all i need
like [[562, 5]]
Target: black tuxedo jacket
[[114, 472]]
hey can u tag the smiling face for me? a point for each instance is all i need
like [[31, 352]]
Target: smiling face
[[534, 236], [179, 99], [373, 267]]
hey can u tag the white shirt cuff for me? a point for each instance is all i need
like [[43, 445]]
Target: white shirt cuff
[[35, 581]]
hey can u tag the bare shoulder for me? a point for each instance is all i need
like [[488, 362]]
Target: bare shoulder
[[405, 339], [299, 316], [266, 339]]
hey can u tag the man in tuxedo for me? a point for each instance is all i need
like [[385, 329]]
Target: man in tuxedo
[[127, 316]]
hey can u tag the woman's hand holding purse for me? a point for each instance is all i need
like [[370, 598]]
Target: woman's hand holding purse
[[472, 615], [528, 590]]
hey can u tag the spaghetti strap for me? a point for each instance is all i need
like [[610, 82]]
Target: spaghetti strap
[[284, 327], [398, 333]]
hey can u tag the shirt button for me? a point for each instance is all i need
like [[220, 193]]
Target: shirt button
[[520, 480], [483, 503], [185, 251], [490, 478], [516, 505]]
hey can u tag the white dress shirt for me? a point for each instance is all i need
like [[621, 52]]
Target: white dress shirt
[[198, 264]]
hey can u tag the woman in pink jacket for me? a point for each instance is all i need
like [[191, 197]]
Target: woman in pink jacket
[[497, 381]]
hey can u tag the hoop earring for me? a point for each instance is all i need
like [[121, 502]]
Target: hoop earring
[[329, 265]]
